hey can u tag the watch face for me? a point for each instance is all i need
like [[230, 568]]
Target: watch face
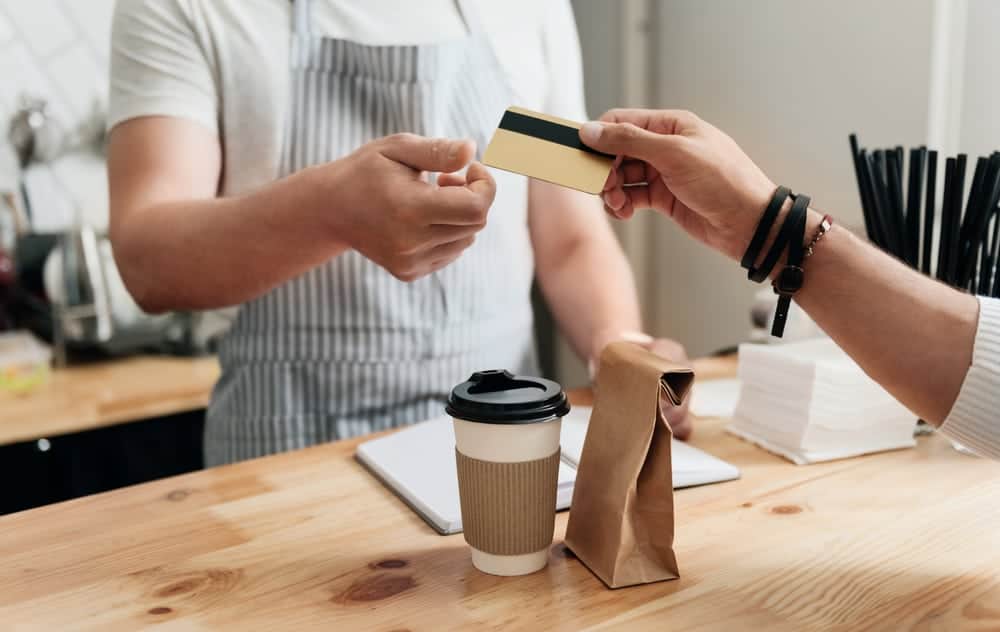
[[790, 280]]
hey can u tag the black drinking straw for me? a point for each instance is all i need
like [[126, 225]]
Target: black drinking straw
[[894, 179], [901, 221], [921, 171], [863, 193], [985, 243], [994, 256], [956, 219], [965, 255], [989, 195], [943, 238], [929, 210], [984, 261], [913, 207], [899, 166], [890, 232], [996, 277], [878, 225]]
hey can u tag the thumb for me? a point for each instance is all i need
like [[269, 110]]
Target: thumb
[[479, 181], [443, 155], [626, 139]]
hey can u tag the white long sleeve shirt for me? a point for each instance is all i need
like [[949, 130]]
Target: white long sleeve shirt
[[974, 420]]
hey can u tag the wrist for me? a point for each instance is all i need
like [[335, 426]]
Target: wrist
[[319, 203], [746, 218], [607, 336], [813, 220]]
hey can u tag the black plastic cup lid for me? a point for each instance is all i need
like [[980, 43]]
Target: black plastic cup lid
[[499, 397]]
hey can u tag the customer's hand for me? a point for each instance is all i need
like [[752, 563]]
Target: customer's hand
[[388, 211], [672, 161]]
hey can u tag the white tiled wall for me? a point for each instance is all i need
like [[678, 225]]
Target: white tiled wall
[[58, 50]]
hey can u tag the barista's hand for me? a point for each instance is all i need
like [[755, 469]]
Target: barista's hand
[[674, 162], [677, 416], [389, 212]]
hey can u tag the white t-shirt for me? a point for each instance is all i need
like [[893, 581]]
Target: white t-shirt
[[224, 63]]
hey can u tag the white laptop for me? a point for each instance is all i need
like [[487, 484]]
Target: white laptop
[[418, 464]]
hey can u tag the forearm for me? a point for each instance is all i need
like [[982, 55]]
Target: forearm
[[592, 294], [207, 253], [910, 333], [581, 269]]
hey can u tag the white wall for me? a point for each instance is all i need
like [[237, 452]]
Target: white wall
[[979, 124], [789, 80], [617, 67], [57, 50]]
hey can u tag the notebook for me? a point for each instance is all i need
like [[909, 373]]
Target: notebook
[[715, 398], [418, 465]]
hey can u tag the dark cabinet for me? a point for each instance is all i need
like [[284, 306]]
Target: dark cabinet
[[54, 469]]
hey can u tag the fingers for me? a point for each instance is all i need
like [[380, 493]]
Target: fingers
[[443, 155], [680, 422], [479, 181], [466, 205], [677, 416], [633, 172], [628, 139], [451, 179], [617, 201], [669, 349], [442, 234], [645, 134], [448, 252], [418, 265], [622, 203], [444, 255], [615, 198], [629, 172], [657, 121]]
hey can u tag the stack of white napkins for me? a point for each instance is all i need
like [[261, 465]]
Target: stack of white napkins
[[808, 401]]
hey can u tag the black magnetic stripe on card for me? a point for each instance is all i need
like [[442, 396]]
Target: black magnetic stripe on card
[[546, 130]]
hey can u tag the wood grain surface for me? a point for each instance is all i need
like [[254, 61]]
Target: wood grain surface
[[906, 540], [107, 393]]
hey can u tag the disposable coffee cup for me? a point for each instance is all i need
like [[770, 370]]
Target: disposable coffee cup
[[507, 452]]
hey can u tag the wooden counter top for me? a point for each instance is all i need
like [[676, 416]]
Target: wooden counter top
[[106, 393], [308, 540]]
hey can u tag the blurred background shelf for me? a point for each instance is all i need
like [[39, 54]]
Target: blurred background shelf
[[103, 425], [106, 393]]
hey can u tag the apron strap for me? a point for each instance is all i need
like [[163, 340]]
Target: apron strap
[[470, 13], [302, 17]]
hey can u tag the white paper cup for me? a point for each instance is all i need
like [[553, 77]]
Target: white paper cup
[[510, 444], [507, 453]]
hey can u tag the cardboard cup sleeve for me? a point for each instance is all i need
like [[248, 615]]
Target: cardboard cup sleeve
[[508, 508]]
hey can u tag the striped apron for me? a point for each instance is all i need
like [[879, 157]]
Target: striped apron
[[346, 348]]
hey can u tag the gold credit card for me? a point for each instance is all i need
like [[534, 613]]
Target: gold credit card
[[547, 148]]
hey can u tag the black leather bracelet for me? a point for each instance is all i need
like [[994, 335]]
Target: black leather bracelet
[[764, 227], [759, 275], [791, 277]]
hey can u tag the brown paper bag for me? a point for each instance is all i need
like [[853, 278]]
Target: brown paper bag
[[621, 521]]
